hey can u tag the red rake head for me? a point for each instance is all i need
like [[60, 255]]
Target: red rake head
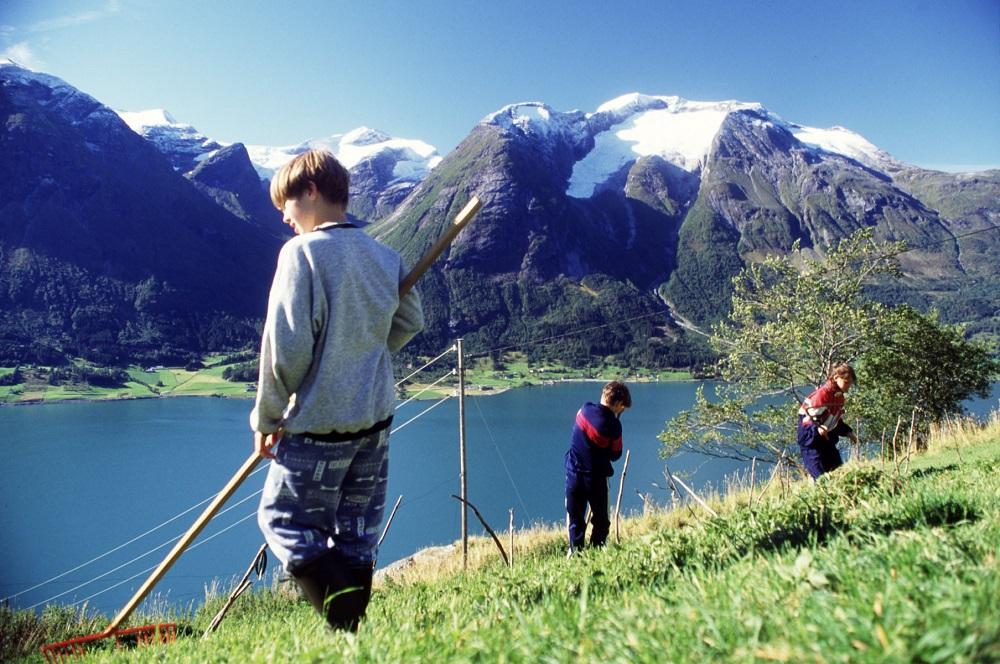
[[125, 638]]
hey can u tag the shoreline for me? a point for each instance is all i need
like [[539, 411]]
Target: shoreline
[[472, 389]]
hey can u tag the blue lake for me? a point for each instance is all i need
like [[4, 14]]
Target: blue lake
[[84, 478]]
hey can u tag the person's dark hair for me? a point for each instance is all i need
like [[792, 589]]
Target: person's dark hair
[[317, 166], [616, 392]]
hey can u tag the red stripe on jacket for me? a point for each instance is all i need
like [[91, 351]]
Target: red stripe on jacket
[[595, 436]]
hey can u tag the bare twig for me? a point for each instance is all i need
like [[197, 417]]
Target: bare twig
[[503, 554], [618, 503], [675, 492]]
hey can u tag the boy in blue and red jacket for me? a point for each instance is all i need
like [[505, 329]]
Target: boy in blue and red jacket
[[821, 422], [596, 442]]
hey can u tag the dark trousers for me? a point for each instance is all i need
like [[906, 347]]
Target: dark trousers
[[584, 489], [819, 454]]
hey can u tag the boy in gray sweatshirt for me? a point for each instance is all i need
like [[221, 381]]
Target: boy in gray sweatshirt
[[326, 389]]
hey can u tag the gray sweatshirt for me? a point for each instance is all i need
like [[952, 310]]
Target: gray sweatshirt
[[333, 317]]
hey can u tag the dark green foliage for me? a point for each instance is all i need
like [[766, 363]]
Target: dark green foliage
[[920, 373], [707, 260], [15, 377], [244, 372], [792, 320], [98, 377]]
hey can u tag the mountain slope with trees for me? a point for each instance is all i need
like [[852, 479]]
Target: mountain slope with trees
[[105, 251]]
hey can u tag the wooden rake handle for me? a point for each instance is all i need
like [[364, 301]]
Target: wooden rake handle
[[463, 218], [185, 540]]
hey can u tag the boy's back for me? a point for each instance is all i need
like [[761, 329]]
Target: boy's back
[[333, 307]]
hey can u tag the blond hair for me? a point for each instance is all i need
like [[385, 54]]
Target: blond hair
[[317, 166]]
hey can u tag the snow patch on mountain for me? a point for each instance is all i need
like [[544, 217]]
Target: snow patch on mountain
[[186, 146], [536, 120], [414, 159], [842, 141], [678, 130], [183, 145]]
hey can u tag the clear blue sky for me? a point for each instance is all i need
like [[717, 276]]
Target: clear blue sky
[[918, 78]]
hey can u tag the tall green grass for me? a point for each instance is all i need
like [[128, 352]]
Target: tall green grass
[[870, 564]]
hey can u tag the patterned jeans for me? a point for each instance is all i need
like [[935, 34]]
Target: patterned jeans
[[319, 495]]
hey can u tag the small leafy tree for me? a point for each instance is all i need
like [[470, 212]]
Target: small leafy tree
[[793, 318], [921, 374]]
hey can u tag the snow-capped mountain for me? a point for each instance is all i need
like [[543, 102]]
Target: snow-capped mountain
[[412, 159], [666, 199], [384, 169], [183, 145], [677, 130]]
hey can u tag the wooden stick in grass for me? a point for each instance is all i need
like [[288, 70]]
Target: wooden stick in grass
[[695, 496], [259, 565], [675, 490], [389, 521], [511, 526], [503, 554], [618, 503]]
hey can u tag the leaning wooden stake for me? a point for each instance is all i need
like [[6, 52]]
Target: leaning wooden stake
[[388, 522], [674, 491], [753, 478], [258, 565], [909, 442], [503, 554], [511, 527], [618, 502], [895, 458], [695, 496]]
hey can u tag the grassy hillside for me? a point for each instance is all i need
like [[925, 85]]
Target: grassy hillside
[[873, 563]]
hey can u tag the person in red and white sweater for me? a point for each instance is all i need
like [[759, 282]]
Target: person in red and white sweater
[[821, 422], [595, 443]]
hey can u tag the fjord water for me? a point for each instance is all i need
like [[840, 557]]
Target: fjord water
[[81, 479]]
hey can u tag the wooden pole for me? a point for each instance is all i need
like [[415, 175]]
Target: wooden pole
[[511, 527], [618, 502], [753, 479], [461, 455], [909, 442], [895, 458]]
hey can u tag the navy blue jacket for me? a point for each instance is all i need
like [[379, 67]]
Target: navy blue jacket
[[596, 441]]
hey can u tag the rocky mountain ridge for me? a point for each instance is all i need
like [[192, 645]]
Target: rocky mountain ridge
[[599, 231]]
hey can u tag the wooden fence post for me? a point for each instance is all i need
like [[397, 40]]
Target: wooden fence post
[[618, 503]]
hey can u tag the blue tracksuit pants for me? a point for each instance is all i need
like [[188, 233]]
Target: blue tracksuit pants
[[584, 489], [321, 495], [819, 455]]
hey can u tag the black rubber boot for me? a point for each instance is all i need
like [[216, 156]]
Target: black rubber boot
[[338, 591]]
